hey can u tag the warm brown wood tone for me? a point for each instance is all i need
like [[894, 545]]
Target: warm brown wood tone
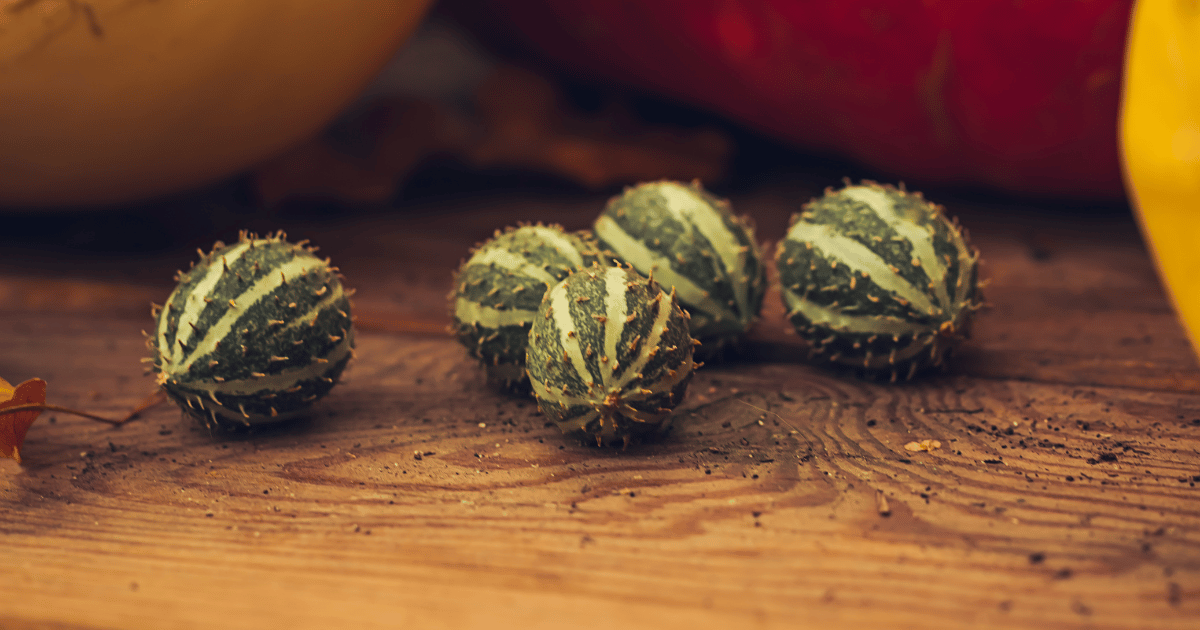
[[1063, 495]]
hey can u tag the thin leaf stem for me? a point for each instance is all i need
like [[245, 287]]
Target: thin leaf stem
[[45, 407]]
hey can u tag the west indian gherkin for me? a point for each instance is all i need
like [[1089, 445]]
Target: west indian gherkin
[[254, 332], [610, 355], [691, 241], [497, 292], [877, 278]]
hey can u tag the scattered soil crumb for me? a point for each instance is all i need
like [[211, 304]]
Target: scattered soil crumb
[[923, 445]]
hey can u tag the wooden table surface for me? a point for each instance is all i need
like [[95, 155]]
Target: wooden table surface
[[1063, 496]]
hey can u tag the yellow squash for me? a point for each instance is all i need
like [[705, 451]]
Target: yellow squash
[[106, 101], [1160, 143]]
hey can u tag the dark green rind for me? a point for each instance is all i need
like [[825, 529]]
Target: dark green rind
[[256, 337], [642, 212], [228, 414], [548, 367], [808, 271], [502, 349], [850, 218]]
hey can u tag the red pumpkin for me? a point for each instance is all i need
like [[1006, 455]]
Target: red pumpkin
[[1021, 96]]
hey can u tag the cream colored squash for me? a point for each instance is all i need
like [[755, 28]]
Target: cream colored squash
[[107, 101]]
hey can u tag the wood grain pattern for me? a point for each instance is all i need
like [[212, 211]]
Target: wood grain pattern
[[1063, 495]]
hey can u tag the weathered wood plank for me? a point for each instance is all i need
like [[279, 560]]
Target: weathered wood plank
[[760, 507], [1063, 494]]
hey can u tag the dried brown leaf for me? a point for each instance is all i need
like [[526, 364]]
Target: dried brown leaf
[[14, 424]]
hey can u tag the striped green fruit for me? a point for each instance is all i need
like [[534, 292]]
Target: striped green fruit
[[610, 355], [254, 333], [877, 278], [691, 241], [497, 291]]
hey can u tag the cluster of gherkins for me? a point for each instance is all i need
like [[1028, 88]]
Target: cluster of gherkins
[[608, 353], [872, 277], [498, 290], [601, 326]]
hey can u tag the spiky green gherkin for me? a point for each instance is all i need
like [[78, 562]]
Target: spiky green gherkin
[[690, 240], [878, 278], [610, 355], [497, 291], [254, 333]]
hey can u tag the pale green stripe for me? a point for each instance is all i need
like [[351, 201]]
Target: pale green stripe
[[652, 341], [865, 324], [688, 206], [513, 262], [667, 384], [561, 243], [307, 318], [921, 239], [616, 308], [282, 380], [163, 320], [194, 304], [859, 258], [470, 312], [555, 394], [293, 269], [637, 254], [560, 303]]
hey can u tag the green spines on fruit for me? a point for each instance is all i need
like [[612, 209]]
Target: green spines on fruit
[[254, 332], [877, 278], [610, 355], [690, 240], [498, 290]]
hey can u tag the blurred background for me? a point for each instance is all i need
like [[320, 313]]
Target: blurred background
[[1005, 104]]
